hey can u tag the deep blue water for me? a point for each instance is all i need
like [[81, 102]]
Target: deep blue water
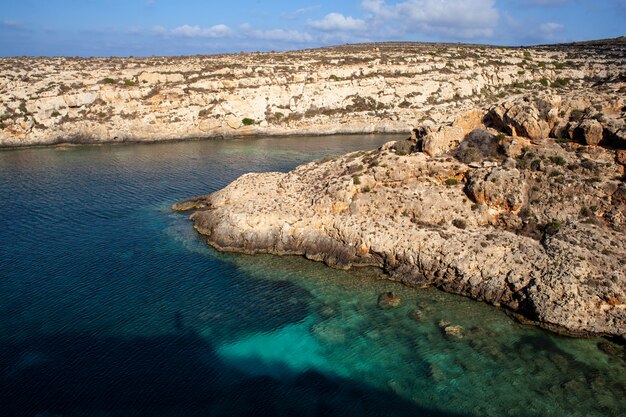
[[111, 305]]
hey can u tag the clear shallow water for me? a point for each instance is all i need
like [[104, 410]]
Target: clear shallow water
[[110, 305]]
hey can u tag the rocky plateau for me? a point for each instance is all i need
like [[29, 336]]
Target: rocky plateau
[[385, 87]]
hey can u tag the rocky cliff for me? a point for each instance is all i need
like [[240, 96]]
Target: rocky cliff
[[522, 205], [348, 89]]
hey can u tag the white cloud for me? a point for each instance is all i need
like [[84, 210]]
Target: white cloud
[[304, 10], [159, 30], [455, 18], [283, 35], [548, 2], [338, 22], [551, 27], [280, 35], [217, 31]]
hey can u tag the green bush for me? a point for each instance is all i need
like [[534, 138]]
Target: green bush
[[129, 83], [108, 81], [552, 228], [560, 82], [356, 180], [544, 82], [452, 181], [366, 189], [558, 160], [403, 147], [247, 121], [576, 115]]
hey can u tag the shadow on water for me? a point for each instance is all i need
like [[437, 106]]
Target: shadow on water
[[178, 374]]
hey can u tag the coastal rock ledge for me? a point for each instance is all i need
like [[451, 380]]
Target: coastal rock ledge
[[521, 213]]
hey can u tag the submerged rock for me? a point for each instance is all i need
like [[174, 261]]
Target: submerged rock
[[388, 300], [453, 331]]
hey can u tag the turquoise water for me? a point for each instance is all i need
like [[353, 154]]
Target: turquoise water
[[111, 305]]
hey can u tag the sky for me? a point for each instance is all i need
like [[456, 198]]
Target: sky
[[190, 27]]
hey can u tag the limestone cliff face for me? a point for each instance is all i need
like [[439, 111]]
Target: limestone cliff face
[[363, 88], [526, 211]]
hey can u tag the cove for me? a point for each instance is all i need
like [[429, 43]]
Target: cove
[[111, 305]]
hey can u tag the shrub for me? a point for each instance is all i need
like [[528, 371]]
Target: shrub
[[544, 82], [403, 147], [356, 180], [108, 81], [129, 83], [560, 82], [459, 223], [585, 212], [333, 77], [576, 115], [552, 228], [366, 189], [247, 121], [452, 181], [558, 160]]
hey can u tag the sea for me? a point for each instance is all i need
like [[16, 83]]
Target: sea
[[112, 305]]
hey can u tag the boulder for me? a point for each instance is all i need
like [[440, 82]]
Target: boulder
[[589, 132], [518, 119], [443, 140], [498, 188], [469, 121]]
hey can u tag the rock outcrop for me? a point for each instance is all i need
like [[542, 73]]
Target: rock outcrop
[[512, 216], [348, 89]]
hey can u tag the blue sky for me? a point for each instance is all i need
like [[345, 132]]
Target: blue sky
[[183, 27]]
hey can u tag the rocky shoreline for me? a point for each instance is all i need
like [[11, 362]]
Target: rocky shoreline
[[522, 206], [367, 88]]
